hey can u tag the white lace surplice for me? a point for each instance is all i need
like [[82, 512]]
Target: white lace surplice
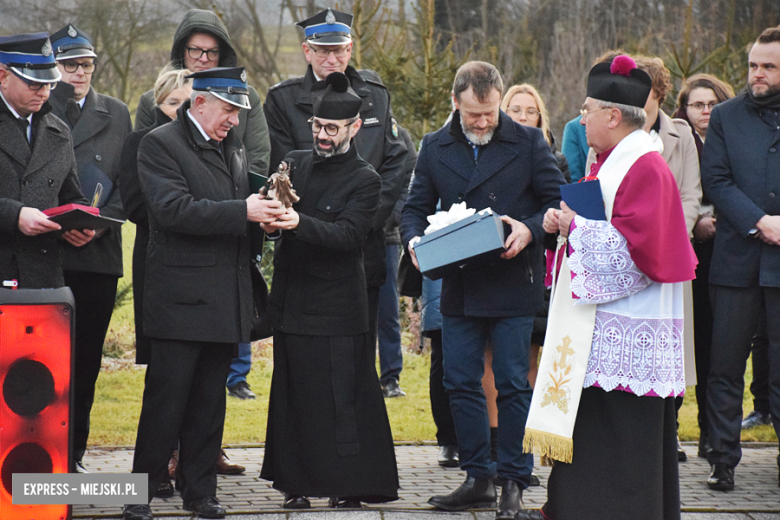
[[637, 341]]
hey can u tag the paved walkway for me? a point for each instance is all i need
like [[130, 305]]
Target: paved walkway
[[247, 497]]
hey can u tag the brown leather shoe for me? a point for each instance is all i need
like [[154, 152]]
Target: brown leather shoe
[[173, 463], [223, 467]]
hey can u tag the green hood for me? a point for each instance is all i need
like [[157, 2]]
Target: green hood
[[202, 21]]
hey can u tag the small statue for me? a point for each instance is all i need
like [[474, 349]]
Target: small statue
[[279, 187]]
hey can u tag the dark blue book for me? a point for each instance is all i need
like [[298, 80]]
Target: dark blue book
[[585, 198]]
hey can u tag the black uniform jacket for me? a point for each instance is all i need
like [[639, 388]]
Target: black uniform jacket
[[288, 107], [319, 287], [198, 285], [42, 178], [97, 142]]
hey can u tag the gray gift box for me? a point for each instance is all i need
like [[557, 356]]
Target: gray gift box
[[475, 240]]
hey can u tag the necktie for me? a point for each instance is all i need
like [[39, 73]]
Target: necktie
[[23, 123], [73, 112]]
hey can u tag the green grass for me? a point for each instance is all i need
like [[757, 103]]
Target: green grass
[[119, 391]]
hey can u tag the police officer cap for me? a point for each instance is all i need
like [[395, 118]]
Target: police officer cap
[[227, 83], [70, 42], [619, 82], [30, 57], [334, 98], [328, 27]]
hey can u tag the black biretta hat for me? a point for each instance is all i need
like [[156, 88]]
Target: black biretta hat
[[328, 27], [619, 82], [334, 98], [70, 42], [227, 83], [30, 57]]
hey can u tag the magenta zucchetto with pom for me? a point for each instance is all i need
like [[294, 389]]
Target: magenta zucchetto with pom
[[622, 65]]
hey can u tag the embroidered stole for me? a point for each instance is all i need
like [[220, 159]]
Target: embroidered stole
[[569, 335]]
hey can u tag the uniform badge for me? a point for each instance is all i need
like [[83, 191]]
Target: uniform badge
[[46, 49], [330, 18], [243, 76], [72, 31], [395, 128]]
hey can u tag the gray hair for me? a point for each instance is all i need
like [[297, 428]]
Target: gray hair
[[481, 76], [208, 96], [633, 117]]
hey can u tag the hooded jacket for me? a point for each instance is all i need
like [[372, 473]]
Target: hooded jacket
[[252, 128]]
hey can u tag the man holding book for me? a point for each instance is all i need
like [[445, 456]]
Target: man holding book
[[37, 168]]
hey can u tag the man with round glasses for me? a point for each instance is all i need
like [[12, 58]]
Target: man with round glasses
[[37, 169], [288, 108], [99, 125], [328, 434]]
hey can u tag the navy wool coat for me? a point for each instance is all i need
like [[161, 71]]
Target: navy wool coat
[[515, 174], [740, 173]]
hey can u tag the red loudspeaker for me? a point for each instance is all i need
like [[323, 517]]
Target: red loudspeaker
[[36, 349]]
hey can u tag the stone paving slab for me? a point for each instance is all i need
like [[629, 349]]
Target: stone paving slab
[[247, 497]]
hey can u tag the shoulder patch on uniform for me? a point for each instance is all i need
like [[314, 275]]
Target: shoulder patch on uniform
[[395, 126]]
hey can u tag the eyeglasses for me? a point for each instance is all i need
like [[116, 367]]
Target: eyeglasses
[[330, 129], [324, 53], [530, 113], [584, 112], [73, 66], [700, 106], [195, 53], [35, 86]]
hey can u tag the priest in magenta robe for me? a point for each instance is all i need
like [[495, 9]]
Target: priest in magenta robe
[[604, 408]]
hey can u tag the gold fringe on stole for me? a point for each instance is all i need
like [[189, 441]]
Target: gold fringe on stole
[[548, 445]]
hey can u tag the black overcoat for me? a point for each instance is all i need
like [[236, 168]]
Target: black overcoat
[[42, 178], [517, 175], [319, 287], [97, 142], [198, 285]]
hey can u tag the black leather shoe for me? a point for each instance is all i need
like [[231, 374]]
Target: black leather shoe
[[296, 502], [393, 389], [165, 489], [474, 493], [721, 477], [448, 456], [344, 503], [137, 512], [529, 514], [205, 507], [241, 390], [511, 501]]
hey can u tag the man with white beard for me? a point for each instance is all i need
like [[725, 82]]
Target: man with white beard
[[484, 158]]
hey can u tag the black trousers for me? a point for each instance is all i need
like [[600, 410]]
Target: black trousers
[[737, 312], [759, 387], [94, 294], [373, 320], [702, 328], [440, 399], [184, 398]]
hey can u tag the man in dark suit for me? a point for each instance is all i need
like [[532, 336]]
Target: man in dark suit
[[99, 125], [198, 288], [37, 168], [740, 173], [288, 107], [483, 158], [328, 433]]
